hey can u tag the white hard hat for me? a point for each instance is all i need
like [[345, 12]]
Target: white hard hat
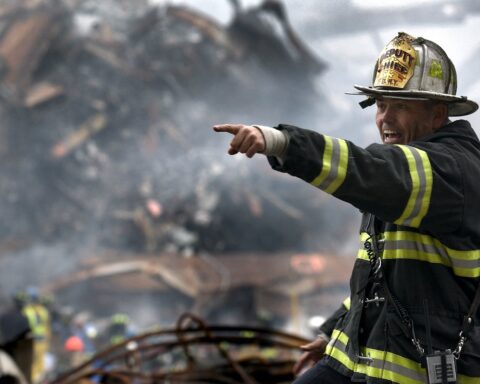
[[416, 68]]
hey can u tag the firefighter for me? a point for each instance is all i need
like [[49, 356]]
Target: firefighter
[[411, 314], [119, 328], [74, 348], [39, 321]]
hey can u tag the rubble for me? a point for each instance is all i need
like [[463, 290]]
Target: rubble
[[116, 190], [106, 147], [123, 104], [202, 279], [27, 34], [194, 352]]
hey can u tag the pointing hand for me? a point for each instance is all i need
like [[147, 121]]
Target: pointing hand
[[247, 139]]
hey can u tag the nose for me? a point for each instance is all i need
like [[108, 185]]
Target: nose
[[386, 114]]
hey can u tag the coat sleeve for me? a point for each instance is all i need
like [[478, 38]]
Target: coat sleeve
[[410, 185], [329, 325]]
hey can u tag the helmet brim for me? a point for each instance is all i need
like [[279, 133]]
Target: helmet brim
[[457, 105]]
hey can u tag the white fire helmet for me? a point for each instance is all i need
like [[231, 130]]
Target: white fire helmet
[[416, 68]]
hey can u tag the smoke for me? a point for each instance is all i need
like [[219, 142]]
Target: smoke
[[157, 143]]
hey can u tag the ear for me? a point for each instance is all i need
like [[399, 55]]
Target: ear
[[440, 115]]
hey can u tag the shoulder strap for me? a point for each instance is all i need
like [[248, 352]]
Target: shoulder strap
[[374, 250]]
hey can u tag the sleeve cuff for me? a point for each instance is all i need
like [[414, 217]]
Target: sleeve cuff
[[323, 336], [276, 141]]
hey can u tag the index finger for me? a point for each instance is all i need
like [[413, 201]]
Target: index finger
[[230, 128]]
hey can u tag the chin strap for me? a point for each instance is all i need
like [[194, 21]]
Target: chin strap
[[367, 102]]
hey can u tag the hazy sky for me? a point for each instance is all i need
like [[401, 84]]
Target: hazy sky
[[351, 56]]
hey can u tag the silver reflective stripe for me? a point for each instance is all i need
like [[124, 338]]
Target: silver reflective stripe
[[335, 161], [421, 247], [399, 245], [390, 370]]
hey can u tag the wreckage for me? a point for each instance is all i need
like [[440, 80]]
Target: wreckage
[[105, 132], [194, 352], [99, 121], [106, 150], [118, 197]]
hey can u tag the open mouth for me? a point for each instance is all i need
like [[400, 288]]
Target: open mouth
[[390, 136]]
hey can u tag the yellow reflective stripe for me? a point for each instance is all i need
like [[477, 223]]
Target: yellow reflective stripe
[[417, 246], [334, 165], [422, 180], [385, 365], [341, 356], [411, 245], [425, 203], [339, 352], [30, 315], [462, 379], [42, 312], [326, 163], [342, 167], [415, 185], [346, 303], [362, 254], [36, 320], [340, 336]]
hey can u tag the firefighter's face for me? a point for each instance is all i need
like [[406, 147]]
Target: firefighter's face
[[402, 121]]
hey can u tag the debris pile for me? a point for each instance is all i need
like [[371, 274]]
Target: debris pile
[[106, 137], [194, 352], [106, 145]]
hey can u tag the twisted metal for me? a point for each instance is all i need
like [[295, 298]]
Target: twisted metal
[[184, 355]]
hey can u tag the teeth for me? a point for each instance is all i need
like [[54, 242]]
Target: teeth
[[390, 133]]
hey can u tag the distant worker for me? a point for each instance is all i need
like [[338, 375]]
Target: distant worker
[[39, 320], [74, 348], [411, 316], [119, 328]]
